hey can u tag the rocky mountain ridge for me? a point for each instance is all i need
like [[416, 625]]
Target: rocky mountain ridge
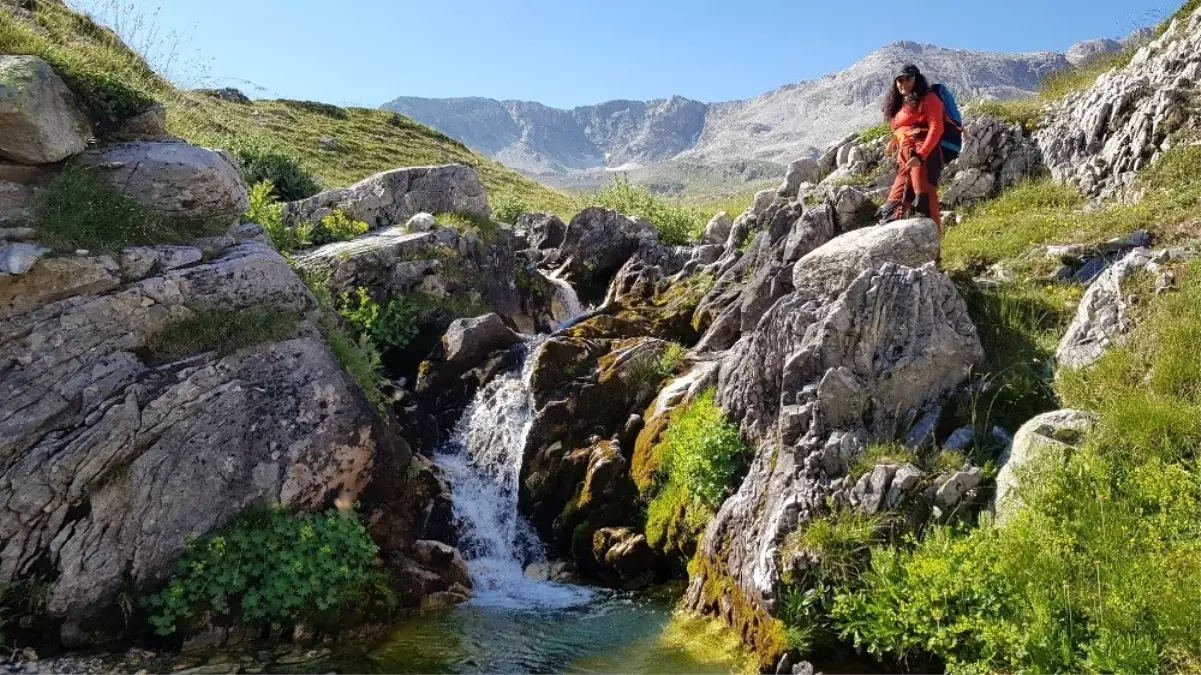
[[793, 121]]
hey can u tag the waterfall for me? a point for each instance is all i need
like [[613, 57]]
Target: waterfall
[[482, 462], [565, 305]]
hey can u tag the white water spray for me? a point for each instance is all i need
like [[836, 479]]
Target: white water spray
[[483, 464]]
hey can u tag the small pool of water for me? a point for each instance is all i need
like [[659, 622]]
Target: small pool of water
[[614, 633]]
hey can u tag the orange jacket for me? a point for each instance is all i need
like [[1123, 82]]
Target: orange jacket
[[924, 122]]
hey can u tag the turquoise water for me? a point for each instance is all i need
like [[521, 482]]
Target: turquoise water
[[615, 633]]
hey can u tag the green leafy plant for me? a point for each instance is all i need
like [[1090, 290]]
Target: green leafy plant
[[82, 209], [273, 569], [703, 452], [224, 331], [881, 130], [261, 162], [337, 226], [392, 325], [266, 210]]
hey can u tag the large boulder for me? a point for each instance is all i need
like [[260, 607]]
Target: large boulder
[[1047, 437], [1097, 139], [830, 268], [39, 121], [176, 179], [596, 243], [392, 197], [468, 341], [110, 464], [805, 170], [445, 264]]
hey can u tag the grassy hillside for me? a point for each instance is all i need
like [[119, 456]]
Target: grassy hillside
[[114, 82]]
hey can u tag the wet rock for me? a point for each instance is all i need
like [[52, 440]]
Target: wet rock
[[468, 341], [545, 230], [624, 557], [960, 439], [443, 560], [596, 243], [39, 121]]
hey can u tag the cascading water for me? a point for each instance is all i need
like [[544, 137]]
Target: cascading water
[[482, 461], [565, 305]]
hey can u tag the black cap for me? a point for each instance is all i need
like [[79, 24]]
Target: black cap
[[908, 70]]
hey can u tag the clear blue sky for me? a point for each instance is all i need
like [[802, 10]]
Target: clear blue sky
[[576, 52]]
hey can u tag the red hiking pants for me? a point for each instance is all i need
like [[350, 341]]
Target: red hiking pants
[[920, 182]]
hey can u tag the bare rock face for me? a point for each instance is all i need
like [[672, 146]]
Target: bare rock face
[[595, 244], [995, 156], [39, 121], [1097, 139], [856, 353], [108, 464], [392, 197], [1101, 317], [445, 264], [176, 179], [830, 268]]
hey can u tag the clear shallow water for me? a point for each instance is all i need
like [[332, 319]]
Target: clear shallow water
[[614, 633]]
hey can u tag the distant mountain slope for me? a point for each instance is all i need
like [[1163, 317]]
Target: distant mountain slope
[[781, 125]]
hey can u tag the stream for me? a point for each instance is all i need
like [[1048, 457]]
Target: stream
[[514, 623]]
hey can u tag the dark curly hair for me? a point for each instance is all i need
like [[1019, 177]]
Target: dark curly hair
[[893, 100]]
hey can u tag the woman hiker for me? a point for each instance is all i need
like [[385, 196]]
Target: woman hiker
[[917, 115]]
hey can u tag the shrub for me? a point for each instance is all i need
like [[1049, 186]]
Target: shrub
[[507, 207], [392, 325], [676, 222], [82, 209], [105, 97], [261, 162], [266, 210], [337, 226], [223, 331], [274, 570]]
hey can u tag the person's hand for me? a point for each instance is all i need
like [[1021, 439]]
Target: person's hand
[[892, 148], [913, 163]]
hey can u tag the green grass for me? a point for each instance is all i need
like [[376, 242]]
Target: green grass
[[358, 355], [1019, 325], [881, 453], [81, 209], [1027, 112], [115, 82], [1100, 570], [1058, 85], [1039, 212], [223, 331]]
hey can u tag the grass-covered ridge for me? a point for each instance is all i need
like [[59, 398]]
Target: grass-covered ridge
[[114, 82]]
